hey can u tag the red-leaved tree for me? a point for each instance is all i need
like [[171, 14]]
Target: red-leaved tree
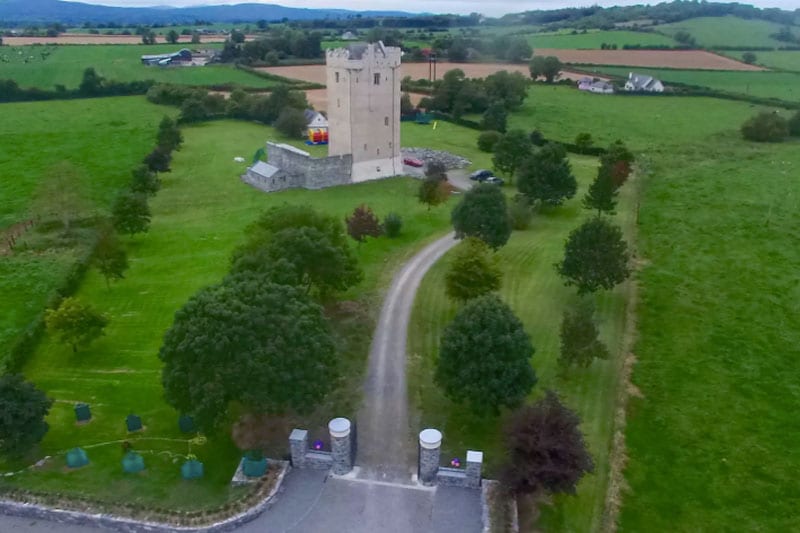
[[363, 223]]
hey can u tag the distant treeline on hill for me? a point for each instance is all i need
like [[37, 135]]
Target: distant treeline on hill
[[607, 17]]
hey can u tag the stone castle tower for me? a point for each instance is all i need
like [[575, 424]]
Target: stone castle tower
[[364, 108]]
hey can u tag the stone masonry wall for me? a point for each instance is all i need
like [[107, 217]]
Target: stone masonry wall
[[308, 172]]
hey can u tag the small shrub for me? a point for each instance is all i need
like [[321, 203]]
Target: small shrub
[[487, 140], [765, 127], [392, 224]]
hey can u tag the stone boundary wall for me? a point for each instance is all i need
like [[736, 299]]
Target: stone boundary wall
[[308, 172], [129, 525]]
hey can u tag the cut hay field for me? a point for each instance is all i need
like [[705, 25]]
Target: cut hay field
[[679, 59], [768, 84], [47, 66], [594, 39], [727, 31]]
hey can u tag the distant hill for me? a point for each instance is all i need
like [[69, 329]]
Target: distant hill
[[43, 11]]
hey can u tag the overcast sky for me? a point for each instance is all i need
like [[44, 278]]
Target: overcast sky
[[487, 7]]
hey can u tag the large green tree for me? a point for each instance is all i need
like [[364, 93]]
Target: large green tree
[[765, 127], [309, 248], [580, 342], [510, 151], [546, 451], [595, 256], [75, 324], [144, 181], [484, 357], [482, 213], [473, 271], [250, 341], [130, 213], [545, 66], [617, 161], [546, 176], [23, 409]]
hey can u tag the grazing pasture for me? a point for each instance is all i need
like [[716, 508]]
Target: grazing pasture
[[88, 38], [717, 349], [777, 59], [727, 31], [37, 135], [48, 66], [783, 85], [594, 39]]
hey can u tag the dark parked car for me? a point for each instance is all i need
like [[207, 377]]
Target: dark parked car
[[480, 175]]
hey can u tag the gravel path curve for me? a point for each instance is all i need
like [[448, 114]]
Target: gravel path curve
[[385, 440]]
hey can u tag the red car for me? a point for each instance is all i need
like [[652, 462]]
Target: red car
[[413, 162]]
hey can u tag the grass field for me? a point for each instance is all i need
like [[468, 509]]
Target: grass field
[[783, 85], [198, 217], [46, 66], [36, 136], [712, 443], [780, 59], [727, 31], [718, 345], [593, 39], [538, 296]]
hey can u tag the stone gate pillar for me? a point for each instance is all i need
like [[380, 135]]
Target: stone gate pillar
[[430, 445], [298, 445], [473, 471], [339, 429]]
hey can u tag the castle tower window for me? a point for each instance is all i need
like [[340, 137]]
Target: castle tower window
[[379, 151], [377, 79], [337, 77], [365, 147], [385, 121]]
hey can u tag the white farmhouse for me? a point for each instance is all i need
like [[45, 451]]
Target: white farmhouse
[[643, 83]]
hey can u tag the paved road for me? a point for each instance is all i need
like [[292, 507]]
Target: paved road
[[385, 440], [311, 501]]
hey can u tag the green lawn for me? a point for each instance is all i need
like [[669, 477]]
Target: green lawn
[[653, 125], [713, 441], [37, 135], [783, 85], [538, 296], [727, 31], [47, 66], [199, 216], [780, 59], [593, 39]]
